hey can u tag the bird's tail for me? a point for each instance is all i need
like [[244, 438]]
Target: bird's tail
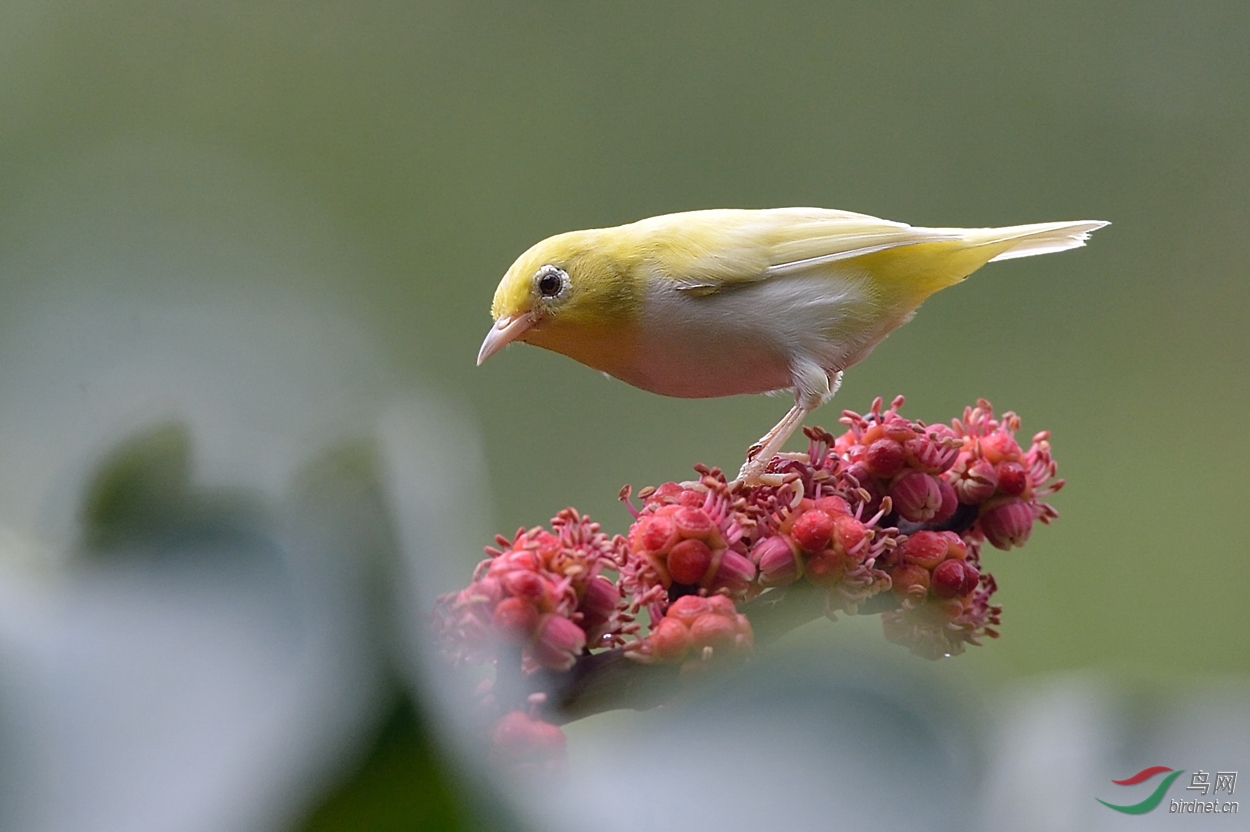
[[920, 268], [1037, 238]]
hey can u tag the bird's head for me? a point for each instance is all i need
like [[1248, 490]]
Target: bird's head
[[562, 292]]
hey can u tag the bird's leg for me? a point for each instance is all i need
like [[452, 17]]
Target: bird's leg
[[763, 451], [813, 388]]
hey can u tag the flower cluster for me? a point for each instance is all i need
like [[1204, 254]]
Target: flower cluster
[[690, 539], [889, 517], [542, 593], [943, 597], [947, 490], [823, 541], [1004, 482], [695, 626]]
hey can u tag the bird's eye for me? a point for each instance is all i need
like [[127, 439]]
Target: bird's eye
[[551, 281]]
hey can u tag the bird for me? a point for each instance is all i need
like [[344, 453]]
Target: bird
[[719, 302]]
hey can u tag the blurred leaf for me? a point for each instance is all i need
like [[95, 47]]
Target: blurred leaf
[[143, 491], [402, 785], [141, 485]]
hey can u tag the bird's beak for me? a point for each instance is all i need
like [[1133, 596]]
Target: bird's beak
[[506, 330]]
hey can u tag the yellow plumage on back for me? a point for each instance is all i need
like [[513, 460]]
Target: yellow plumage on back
[[928, 267]]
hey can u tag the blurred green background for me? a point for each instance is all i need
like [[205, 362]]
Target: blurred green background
[[432, 142]]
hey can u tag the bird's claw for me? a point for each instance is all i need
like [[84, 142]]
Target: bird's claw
[[753, 475]]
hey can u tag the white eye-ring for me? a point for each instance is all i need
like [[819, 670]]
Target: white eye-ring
[[551, 281]]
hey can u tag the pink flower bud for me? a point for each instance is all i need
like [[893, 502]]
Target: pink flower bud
[[975, 480], [955, 546], [514, 620], [778, 561], [689, 560], [972, 577], [545, 543], [999, 446], [669, 492], [925, 549], [715, 631], [557, 643], [848, 535], [722, 630], [833, 505], [884, 458], [687, 608], [488, 588], [691, 499], [597, 605], [826, 568], [693, 522], [897, 428], [949, 579], [916, 497], [1007, 524], [669, 641], [529, 585], [909, 581], [653, 534], [1011, 478], [511, 561], [734, 574], [806, 504], [812, 530], [949, 504], [521, 740], [860, 474]]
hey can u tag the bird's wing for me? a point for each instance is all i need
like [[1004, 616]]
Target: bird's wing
[[720, 249], [710, 251]]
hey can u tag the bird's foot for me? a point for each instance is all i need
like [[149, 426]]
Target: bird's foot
[[769, 445], [753, 473]]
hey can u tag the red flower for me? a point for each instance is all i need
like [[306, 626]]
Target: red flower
[[779, 559], [521, 741], [541, 592], [697, 629], [891, 504], [1007, 524]]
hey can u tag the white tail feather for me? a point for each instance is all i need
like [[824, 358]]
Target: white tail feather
[[1039, 238]]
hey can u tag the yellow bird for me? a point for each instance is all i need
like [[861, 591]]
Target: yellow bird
[[719, 302]]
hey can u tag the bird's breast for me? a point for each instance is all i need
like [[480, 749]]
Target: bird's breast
[[745, 338]]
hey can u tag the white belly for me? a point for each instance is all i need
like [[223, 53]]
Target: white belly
[[751, 338]]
